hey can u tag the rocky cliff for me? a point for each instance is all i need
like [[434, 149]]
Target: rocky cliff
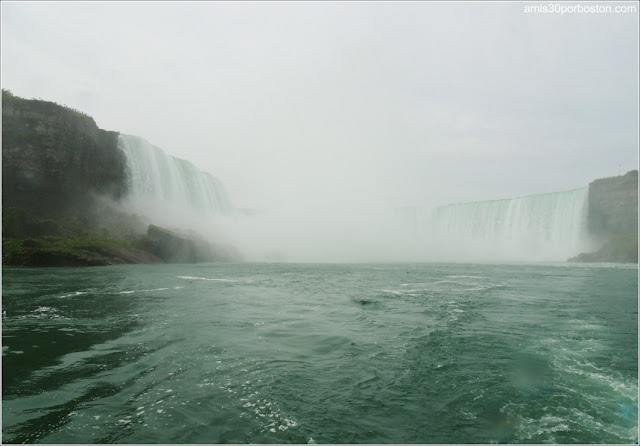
[[613, 205], [613, 219], [55, 159], [62, 177]]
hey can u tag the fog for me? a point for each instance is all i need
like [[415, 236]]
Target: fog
[[324, 118], [174, 193]]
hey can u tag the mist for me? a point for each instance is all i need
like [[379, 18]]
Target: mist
[[323, 119], [325, 227]]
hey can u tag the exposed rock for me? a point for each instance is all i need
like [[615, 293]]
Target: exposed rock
[[613, 219], [62, 177], [613, 205], [55, 158], [182, 248]]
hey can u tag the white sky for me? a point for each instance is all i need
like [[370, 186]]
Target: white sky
[[388, 103]]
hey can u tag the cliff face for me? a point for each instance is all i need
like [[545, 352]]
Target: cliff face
[[57, 166], [54, 158], [613, 205], [613, 219]]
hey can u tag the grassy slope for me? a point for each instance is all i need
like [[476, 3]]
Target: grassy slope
[[77, 251]]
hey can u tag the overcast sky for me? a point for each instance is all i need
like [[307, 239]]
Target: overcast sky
[[391, 103]]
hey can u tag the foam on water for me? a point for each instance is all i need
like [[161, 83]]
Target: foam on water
[[205, 278], [462, 283], [349, 355], [77, 293], [143, 291]]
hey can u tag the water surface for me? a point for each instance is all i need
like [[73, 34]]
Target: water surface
[[326, 353]]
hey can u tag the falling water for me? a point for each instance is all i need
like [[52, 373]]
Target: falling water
[[546, 227], [160, 184]]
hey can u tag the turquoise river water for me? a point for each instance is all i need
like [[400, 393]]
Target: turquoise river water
[[320, 353]]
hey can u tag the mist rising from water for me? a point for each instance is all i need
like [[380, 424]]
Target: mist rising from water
[[174, 193]]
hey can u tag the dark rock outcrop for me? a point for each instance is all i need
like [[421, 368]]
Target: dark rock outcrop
[[62, 177], [55, 159], [186, 248], [613, 205], [613, 219]]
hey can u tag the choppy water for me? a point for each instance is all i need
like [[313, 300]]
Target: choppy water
[[297, 353]]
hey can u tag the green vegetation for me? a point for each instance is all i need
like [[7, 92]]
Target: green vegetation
[[59, 251], [21, 223], [69, 239], [76, 246], [7, 95], [622, 248], [17, 222], [61, 178]]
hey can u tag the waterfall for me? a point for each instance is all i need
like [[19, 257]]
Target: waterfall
[[169, 188], [545, 227]]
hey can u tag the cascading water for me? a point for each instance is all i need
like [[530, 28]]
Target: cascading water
[[546, 227], [170, 190]]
